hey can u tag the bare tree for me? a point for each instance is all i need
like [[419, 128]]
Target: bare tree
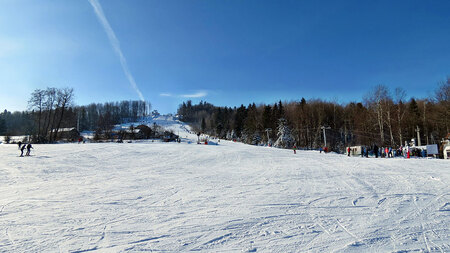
[[443, 98], [64, 97], [37, 102], [49, 104], [388, 104], [400, 95], [377, 101]]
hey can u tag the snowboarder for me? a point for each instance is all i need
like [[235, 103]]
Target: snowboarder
[[22, 149], [29, 147], [348, 151]]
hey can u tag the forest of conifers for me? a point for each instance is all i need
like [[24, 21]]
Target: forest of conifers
[[384, 118]]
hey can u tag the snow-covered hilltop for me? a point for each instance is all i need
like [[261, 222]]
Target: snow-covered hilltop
[[228, 197], [164, 123]]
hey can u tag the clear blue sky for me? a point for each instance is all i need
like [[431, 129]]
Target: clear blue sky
[[225, 52]]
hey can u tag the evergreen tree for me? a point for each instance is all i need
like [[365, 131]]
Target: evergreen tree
[[256, 138], [267, 117], [241, 114], [203, 125], [280, 113], [302, 103], [2, 126], [414, 108], [414, 117], [285, 138]]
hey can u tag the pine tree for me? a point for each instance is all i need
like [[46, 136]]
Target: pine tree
[[231, 135], [2, 126], [280, 110], [285, 138], [256, 138], [203, 125], [241, 114]]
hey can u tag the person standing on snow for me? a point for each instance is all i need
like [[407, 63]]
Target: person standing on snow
[[29, 147], [375, 150], [348, 151], [295, 149], [19, 144], [22, 149]]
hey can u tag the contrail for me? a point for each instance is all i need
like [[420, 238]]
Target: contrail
[[115, 44]]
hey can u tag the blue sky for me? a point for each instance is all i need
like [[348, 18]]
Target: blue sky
[[225, 52]]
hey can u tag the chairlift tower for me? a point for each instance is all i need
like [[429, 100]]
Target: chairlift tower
[[267, 131], [324, 134], [418, 136]]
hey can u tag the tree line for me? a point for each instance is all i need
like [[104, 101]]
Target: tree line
[[53, 109], [384, 117]]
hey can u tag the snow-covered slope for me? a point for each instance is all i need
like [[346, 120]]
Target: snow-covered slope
[[228, 197]]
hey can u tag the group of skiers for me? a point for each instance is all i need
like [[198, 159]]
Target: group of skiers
[[384, 152], [23, 147], [376, 151]]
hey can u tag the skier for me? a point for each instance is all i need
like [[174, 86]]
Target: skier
[[22, 149], [348, 151], [29, 147], [295, 149]]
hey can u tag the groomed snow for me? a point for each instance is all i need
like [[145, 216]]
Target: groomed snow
[[229, 197]]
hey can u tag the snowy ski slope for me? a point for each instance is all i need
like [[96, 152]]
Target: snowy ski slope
[[231, 197]]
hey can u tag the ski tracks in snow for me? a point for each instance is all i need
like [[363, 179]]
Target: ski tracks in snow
[[228, 197]]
